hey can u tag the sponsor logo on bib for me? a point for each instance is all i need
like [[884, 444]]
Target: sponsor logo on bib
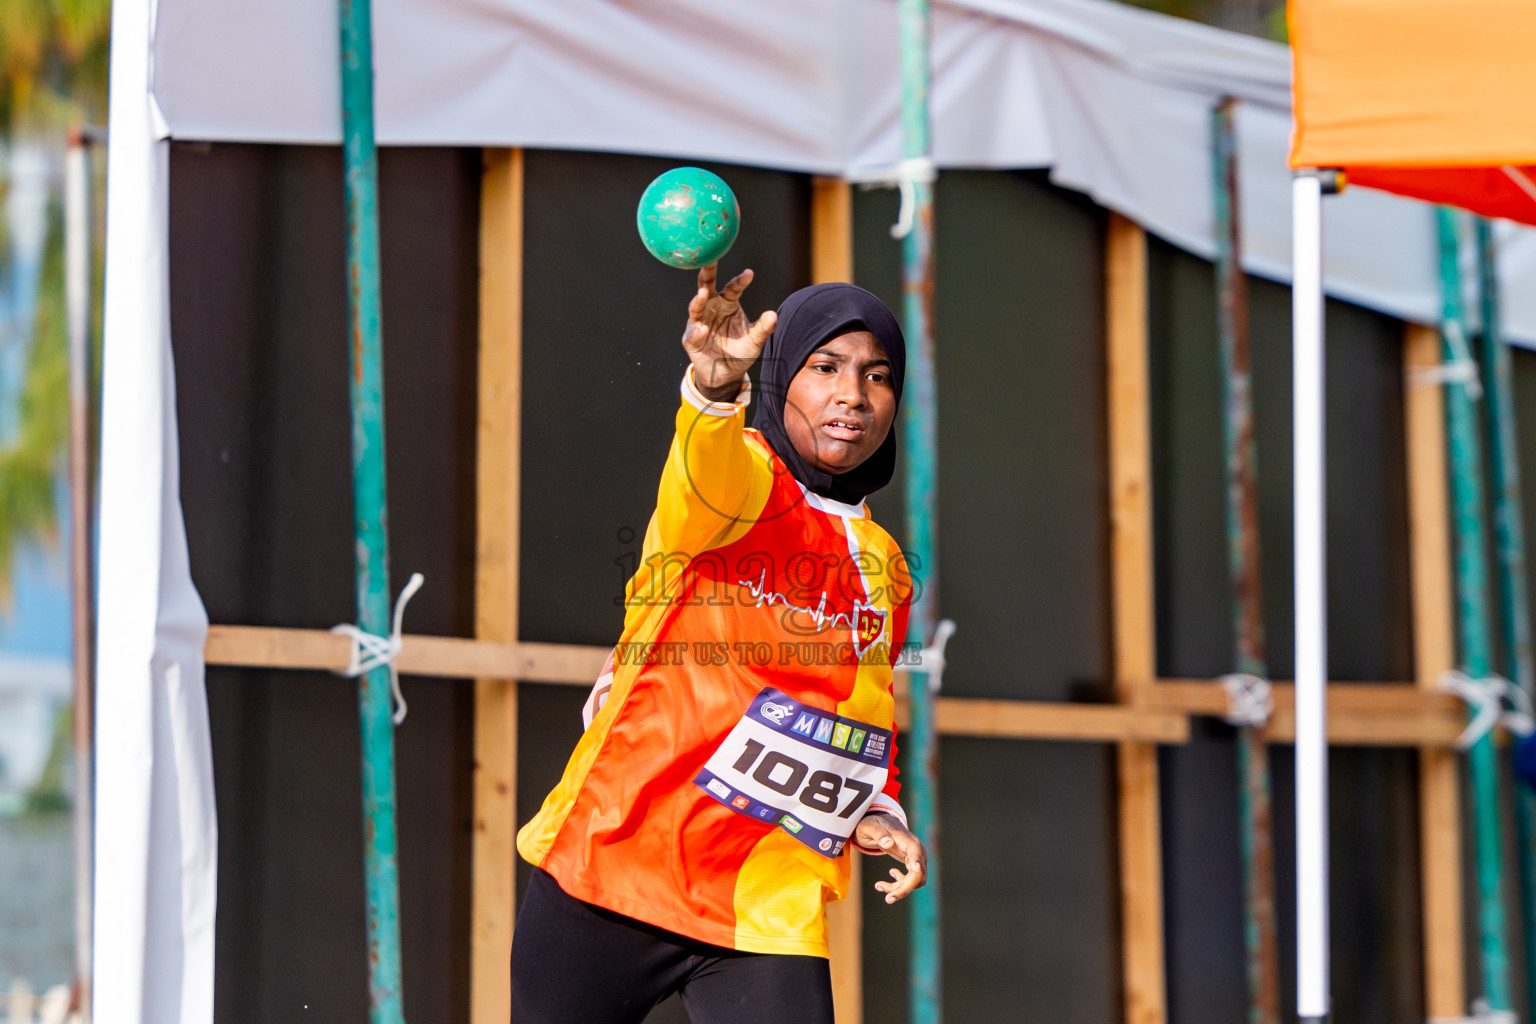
[[777, 712]]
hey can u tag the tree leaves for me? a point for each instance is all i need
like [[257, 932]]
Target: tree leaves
[[53, 63], [30, 462]]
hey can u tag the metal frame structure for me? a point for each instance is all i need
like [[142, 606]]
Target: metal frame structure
[[1148, 711]]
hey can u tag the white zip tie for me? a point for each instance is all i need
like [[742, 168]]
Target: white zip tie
[[1462, 371], [903, 175], [1520, 721], [930, 660], [1250, 700], [1486, 698], [1463, 358], [370, 651]]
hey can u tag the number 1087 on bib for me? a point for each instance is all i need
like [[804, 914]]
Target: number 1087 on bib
[[810, 772]]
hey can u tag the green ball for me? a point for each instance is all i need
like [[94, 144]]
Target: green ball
[[688, 217]]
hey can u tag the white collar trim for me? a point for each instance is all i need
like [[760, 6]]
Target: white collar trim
[[831, 507]]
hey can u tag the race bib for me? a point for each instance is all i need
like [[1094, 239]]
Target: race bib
[[810, 772]]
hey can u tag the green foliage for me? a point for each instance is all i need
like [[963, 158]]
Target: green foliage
[[1262, 18], [53, 74], [49, 796], [53, 63], [30, 461]]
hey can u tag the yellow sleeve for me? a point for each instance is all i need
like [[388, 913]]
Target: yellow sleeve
[[713, 485]]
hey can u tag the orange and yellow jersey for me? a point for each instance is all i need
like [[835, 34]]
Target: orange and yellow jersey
[[753, 596]]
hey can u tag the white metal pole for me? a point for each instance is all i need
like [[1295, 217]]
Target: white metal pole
[[1311, 601]]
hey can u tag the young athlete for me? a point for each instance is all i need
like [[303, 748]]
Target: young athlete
[[741, 735]]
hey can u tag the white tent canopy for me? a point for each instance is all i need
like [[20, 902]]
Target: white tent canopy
[[1114, 101]]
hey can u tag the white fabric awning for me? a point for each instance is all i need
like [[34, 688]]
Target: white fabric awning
[[156, 853], [1113, 99]]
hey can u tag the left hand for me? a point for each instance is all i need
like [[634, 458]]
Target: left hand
[[885, 832]]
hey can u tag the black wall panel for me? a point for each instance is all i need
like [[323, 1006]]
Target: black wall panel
[[1023, 484], [258, 320], [1524, 366], [1030, 918], [602, 360], [1374, 808], [1368, 571], [602, 328], [1031, 925]]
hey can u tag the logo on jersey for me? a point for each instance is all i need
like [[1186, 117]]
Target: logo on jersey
[[777, 712], [790, 823], [719, 788], [824, 731], [868, 627], [741, 802], [825, 845], [805, 724]]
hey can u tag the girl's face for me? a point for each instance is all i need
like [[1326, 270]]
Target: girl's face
[[840, 404]]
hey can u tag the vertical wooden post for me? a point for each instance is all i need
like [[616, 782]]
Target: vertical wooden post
[[832, 260], [493, 891], [1130, 471], [831, 230], [1433, 654]]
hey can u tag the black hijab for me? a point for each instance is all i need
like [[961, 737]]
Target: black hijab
[[808, 319]]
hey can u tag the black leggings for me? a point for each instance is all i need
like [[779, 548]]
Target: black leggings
[[573, 963]]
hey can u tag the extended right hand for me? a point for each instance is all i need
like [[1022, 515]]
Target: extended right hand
[[718, 338]]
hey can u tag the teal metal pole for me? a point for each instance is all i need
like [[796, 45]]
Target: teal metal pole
[[1472, 613], [1243, 561], [1509, 540], [370, 511], [920, 424]]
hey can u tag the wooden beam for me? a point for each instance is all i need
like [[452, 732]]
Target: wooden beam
[[446, 656], [462, 658], [832, 260], [1433, 654], [1372, 714], [1130, 461], [831, 240], [1042, 720], [1130, 495], [498, 460], [1206, 697], [1359, 714]]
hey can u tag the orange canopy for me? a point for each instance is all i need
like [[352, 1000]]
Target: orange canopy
[[1426, 98]]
